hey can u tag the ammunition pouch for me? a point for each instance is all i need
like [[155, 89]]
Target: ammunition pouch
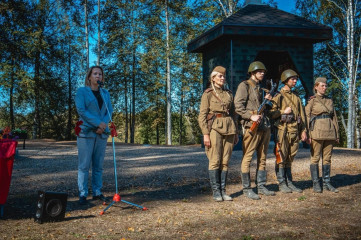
[[210, 119], [288, 118]]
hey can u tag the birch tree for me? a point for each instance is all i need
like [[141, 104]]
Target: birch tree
[[342, 56], [228, 6]]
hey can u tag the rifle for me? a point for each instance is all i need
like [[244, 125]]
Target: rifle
[[262, 107], [278, 153], [277, 149]]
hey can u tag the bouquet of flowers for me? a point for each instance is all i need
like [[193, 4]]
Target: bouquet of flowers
[[6, 133]]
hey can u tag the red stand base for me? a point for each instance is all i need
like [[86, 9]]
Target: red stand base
[[116, 199]]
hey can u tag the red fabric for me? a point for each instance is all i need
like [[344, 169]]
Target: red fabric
[[113, 131], [77, 128], [7, 154]]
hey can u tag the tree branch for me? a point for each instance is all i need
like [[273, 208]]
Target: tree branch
[[338, 55], [333, 73], [343, 122], [357, 60], [338, 6], [222, 6]]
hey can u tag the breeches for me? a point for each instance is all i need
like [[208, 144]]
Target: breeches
[[289, 147], [220, 151], [259, 142], [321, 148]]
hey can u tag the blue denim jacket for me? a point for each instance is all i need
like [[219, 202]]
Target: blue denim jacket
[[90, 113]]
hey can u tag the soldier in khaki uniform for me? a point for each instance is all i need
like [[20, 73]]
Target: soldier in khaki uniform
[[323, 125], [217, 122], [248, 98], [288, 111]]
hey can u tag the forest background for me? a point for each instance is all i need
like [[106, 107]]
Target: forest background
[[155, 84]]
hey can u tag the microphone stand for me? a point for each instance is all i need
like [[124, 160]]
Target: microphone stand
[[116, 197]]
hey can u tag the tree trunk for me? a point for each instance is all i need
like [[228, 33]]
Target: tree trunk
[[126, 107], [169, 98], [358, 133], [351, 81], [133, 100], [36, 92], [181, 118], [98, 61], [70, 102], [86, 33], [11, 100]]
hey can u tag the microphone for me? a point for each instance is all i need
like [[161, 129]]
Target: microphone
[[100, 83]]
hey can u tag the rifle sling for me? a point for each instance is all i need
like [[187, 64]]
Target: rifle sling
[[287, 99], [328, 110]]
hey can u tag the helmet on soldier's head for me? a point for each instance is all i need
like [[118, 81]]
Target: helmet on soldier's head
[[257, 65], [287, 74]]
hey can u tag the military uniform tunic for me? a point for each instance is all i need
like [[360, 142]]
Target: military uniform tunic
[[324, 129], [288, 133], [223, 128], [247, 101]]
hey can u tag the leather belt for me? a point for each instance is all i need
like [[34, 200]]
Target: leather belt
[[322, 116]]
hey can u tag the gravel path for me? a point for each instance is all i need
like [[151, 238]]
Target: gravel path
[[172, 181]]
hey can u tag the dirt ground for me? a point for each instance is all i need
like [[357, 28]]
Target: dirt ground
[[172, 182]]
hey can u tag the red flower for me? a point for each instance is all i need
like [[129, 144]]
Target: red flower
[[6, 131], [77, 128], [113, 131]]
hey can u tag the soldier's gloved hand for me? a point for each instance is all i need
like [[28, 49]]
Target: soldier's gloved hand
[[206, 140]]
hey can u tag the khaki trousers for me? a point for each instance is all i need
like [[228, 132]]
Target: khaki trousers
[[289, 147], [259, 142], [321, 148], [220, 151]]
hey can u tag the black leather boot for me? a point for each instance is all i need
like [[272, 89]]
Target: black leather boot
[[261, 184], [223, 186], [280, 173], [326, 175], [214, 177], [247, 190], [315, 178], [288, 174]]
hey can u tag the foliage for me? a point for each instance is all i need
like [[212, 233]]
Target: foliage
[[332, 60]]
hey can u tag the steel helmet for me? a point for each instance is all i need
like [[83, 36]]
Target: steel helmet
[[287, 74], [257, 65]]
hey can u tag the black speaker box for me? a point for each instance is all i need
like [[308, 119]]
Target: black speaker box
[[50, 207]]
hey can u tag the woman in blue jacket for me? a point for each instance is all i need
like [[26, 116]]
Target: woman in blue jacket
[[95, 110]]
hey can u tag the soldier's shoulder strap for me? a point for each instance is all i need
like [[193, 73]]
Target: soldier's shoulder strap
[[249, 82], [312, 97], [289, 101], [328, 110], [208, 90]]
